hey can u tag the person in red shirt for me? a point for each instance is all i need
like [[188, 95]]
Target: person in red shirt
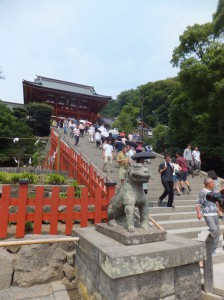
[[182, 176]]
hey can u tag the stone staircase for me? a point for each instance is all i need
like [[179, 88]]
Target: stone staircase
[[182, 220]]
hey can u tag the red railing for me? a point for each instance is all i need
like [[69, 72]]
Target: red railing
[[76, 208], [67, 159]]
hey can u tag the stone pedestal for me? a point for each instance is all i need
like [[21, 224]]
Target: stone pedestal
[[109, 270]]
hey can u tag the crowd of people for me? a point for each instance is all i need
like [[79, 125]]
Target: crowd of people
[[174, 172], [115, 145]]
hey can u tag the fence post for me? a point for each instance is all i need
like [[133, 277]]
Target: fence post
[[21, 214], [208, 268], [110, 189], [58, 155], [91, 170]]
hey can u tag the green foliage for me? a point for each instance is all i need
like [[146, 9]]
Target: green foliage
[[14, 178], [54, 179], [31, 177], [150, 102], [20, 113], [196, 105], [4, 178], [28, 226], [218, 18], [159, 138], [39, 118], [78, 190], [148, 140], [11, 127], [63, 194]]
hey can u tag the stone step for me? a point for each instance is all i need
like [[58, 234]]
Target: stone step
[[186, 224], [190, 232], [160, 188], [176, 203], [209, 296], [154, 197], [173, 216], [168, 210]]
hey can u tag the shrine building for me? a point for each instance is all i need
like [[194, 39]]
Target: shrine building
[[70, 100]]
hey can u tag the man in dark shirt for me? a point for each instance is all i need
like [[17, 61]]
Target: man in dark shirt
[[166, 170], [119, 144]]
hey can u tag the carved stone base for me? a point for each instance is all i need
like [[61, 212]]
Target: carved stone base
[[107, 269], [140, 236]]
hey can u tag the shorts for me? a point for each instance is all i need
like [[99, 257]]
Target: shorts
[[182, 176], [175, 178], [122, 173]]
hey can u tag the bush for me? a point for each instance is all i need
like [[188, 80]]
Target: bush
[[4, 178], [63, 194], [28, 226], [78, 190], [54, 179], [14, 178], [31, 177]]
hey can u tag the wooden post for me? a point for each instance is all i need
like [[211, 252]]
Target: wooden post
[[22, 203], [208, 268], [110, 190], [58, 155]]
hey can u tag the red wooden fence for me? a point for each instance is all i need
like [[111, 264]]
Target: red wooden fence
[[67, 159], [99, 202]]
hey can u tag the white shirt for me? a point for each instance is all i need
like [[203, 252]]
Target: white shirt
[[97, 136], [108, 149], [76, 131], [130, 153], [91, 129], [196, 155]]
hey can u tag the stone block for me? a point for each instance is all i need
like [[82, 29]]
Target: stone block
[[37, 264], [118, 260], [140, 236], [122, 288], [165, 270], [6, 269], [188, 282], [69, 271], [149, 284], [87, 271], [167, 283]]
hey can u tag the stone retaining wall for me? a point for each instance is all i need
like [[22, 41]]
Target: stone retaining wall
[[29, 265]]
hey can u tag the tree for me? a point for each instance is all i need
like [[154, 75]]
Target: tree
[[11, 128], [195, 113], [39, 117], [218, 18], [159, 138]]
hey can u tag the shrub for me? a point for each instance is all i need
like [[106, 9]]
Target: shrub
[[31, 177], [78, 190], [14, 178], [63, 194], [54, 179], [4, 178], [28, 226]]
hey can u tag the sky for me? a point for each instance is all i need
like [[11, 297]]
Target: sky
[[113, 45]]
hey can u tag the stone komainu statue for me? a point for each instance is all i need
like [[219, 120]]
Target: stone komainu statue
[[129, 196]]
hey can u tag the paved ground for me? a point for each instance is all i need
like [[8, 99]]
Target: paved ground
[[49, 291]]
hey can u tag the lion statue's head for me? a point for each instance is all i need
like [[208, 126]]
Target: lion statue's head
[[138, 173]]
